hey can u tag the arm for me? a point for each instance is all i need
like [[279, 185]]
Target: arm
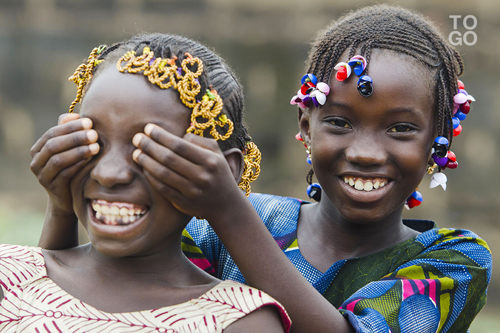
[[194, 175], [265, 320], [56, 157]]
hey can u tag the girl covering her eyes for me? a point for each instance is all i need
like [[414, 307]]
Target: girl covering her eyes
[[133, 275], [378, 106]]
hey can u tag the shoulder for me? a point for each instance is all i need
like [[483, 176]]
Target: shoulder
[[19, 266], [462, 241], [233, 301], [264, 320], [15, 258]]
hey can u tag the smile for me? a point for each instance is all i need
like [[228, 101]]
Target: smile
[[117, 213], [365, 184]]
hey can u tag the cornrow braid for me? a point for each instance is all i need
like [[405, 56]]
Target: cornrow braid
[[400, 30]]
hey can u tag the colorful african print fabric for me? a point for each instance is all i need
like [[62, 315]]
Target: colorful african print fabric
[[34, 303], [435, 282]]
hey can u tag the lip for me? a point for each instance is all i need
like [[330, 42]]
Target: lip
[[364, 196], [97, 228]]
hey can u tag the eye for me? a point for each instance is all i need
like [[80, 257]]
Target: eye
[[339, 122], [401, 128]]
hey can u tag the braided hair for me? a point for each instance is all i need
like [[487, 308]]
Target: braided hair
[[216, 75], [400, 30]]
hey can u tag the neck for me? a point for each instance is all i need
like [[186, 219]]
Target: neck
[[168, 265], [347, 239]]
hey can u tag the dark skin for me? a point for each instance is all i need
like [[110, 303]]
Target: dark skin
[[388, 135], [142, 261]]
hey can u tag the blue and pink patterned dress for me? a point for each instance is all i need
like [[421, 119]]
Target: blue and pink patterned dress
[[434, 282]]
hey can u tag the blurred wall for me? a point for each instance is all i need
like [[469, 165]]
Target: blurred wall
[[266, 42]]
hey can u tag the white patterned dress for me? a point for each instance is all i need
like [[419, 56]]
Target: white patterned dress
[[34, 303]]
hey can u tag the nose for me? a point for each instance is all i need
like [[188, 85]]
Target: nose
[[113, 168], [366, 150]]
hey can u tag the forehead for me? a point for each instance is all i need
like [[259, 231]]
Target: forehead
[[134, 100], [399, 82]]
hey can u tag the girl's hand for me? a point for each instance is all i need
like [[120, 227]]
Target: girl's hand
[[191, 172], [59, 154]]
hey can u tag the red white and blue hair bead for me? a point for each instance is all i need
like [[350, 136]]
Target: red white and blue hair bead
[[311, 91], [443, 157], [357, 64]]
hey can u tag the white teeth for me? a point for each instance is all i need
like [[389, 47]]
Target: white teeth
[[366, 185], [358, 185], [114, 210], [112, 214]]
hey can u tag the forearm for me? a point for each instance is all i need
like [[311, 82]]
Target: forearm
[[60, 229], [266, 267]]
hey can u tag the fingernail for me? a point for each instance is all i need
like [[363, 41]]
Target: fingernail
[[137, 139], [86, 123], [148, 129], [94, 148], [92, 135], [136, 154]]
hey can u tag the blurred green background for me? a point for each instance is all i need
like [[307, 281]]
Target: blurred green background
[[266, 43]]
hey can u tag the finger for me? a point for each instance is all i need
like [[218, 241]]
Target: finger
[[167, 191], [207, 143], [68, 173], [66, 117], [178, 145], [46, 172], [163, 174], [66, 142], [166, 157], [69, 127]]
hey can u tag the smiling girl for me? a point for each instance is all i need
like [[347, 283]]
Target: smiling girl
[[350, 262], [133, 276]]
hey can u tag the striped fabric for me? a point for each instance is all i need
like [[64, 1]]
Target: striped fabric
[[34, 303], [435, 282]]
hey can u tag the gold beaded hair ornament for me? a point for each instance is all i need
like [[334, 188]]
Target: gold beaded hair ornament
[[164, 73]]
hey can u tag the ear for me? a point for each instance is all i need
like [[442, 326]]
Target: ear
[[235, 159], [304, 125]]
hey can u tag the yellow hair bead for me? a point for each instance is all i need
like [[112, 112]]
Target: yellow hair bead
[[165, 74], [252, 167]]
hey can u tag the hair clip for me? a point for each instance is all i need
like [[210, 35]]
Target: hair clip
[[358, 65], [314, 191], [439, 179], [310, 91], [365, 86], [414, 200]]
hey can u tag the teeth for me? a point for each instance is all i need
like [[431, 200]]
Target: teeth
[[114, 213], [366, 185]]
